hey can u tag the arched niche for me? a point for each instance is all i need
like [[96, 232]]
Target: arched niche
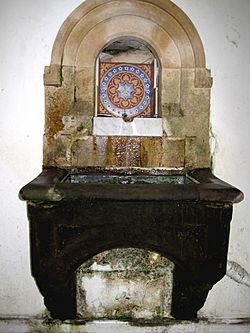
[[136, 55]]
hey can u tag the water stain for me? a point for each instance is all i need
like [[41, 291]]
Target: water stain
[[233, 37]]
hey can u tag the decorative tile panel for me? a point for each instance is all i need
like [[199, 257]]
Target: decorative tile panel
[[126, 90]]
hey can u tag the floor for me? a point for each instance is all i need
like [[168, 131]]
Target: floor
[[203, 326]]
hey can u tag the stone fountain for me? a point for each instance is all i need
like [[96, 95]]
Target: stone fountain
[[126, 153]]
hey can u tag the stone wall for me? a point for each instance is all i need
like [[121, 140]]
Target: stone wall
[[184, 108]]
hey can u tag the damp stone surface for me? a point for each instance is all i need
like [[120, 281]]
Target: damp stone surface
[[125, 284]]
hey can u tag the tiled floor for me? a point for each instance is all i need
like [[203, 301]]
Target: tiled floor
[[37, 326]]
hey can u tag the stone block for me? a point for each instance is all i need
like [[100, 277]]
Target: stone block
[[128, 152], [189, 125], [187, 85], [203, 78], [85, 91], [163, 152], [55, 154], [198, 102], [105, 151], [151, 152], [83, 152], [171, 87], [193, 100], [59, 102], [83, 108], [90, 151], [197, 153], [173, 153], [172, 110], [53, 75]]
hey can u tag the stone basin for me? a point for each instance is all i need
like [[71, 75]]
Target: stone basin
[[75, 214], [126, 180], [155, 184]]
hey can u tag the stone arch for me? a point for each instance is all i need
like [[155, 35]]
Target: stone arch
[[162, 16], [71, 89]]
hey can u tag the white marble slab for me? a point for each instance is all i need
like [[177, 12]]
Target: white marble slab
[[118, 127]]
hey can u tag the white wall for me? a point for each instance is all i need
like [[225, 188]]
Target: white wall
[[28, 29]]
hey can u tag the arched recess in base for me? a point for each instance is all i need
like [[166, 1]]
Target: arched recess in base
[[123, 283]]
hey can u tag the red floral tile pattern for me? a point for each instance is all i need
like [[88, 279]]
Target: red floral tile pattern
[[126, 90]]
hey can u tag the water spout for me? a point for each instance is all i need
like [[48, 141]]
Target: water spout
[[126, 118]]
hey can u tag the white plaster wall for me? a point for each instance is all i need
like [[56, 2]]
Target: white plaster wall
[[224, 27], [28, 29]]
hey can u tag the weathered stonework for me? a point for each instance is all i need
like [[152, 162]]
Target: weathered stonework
[[69, 115], [203, 78], [53, 75], [59, 102], [84, 92], [126, 283], [142, 152], [184, 86], [171, 89], [197, 153]]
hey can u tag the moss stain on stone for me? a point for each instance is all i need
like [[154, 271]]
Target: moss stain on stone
[[134, 270]]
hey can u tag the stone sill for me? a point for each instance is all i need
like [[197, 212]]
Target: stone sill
[[103, 126], [36, 325]]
